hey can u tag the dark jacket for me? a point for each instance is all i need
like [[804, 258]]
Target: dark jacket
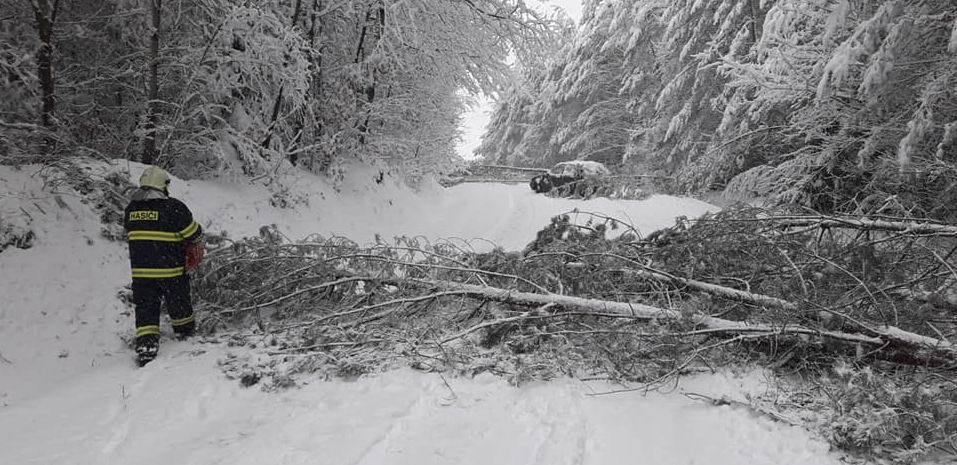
[[158, 230]]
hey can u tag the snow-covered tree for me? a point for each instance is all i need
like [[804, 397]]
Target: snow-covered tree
[[852, 93], [569, 108], [208, 85], [824, 102]]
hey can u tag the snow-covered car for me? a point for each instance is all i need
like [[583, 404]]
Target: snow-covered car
[[567, 172]]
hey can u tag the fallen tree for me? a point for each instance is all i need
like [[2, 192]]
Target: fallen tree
[[729, 288], [915, 227], [921, 349], [441, 273], [925, 348]]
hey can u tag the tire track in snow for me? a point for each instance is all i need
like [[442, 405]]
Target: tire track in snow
[[147, 405], [564, 426], [510, 216], [119, 433], [377, 452]]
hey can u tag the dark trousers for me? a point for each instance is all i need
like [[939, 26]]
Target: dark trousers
[[148, 294]]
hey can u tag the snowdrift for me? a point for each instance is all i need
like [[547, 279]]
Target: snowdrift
[[69, 392]]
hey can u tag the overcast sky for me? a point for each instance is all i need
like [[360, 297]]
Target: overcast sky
[[474, 121]]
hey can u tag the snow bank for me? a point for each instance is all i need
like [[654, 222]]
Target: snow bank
[[480, 214], [69, 392], [59, 311], [179, 410]]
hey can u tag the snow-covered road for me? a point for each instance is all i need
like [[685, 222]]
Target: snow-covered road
[[180, 410], [69, 393], [481, 214]]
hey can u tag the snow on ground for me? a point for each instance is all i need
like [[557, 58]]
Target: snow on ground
[[69, 393], [179, 410], [479, 213]]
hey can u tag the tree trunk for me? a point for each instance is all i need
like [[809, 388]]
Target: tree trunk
[[362, 37], [911, 347], [277, 104], [903, 226], [272, 120], [295, 12], [313, 21], [890, 342], [370, 97], [757, 20], [311, 39], [373, 26], [45, 13], [714, 289], [149, 143]]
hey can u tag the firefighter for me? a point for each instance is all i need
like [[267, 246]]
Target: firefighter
[[164, 244]]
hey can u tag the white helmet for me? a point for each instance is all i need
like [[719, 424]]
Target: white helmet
[[154, 177]]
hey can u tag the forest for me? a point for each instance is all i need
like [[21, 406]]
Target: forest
[[205, 87], [837, 105], [835, 120]]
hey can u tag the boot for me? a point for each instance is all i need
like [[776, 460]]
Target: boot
[[147, 347], [184, 331]]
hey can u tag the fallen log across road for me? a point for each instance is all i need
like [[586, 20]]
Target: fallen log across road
[[920, 228], [881, 338]]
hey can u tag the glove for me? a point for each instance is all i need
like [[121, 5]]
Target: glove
[[194, 255]]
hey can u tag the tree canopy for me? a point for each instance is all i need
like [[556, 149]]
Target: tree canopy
[[830, 103], [243, 84]]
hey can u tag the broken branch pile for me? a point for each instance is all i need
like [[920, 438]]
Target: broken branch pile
[[742, 284], [748, 274]]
